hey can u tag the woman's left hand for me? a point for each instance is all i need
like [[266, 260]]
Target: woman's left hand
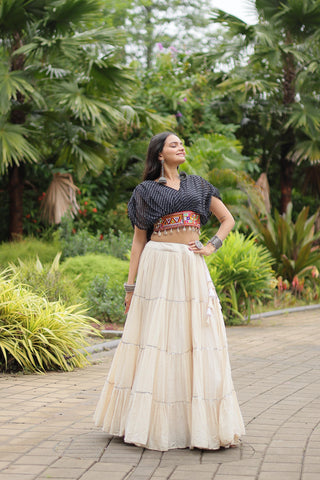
[[206, 250]]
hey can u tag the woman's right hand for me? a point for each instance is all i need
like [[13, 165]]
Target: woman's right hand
[[127, 301]]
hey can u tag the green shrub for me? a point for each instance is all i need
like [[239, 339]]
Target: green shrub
[[37, 335], [84, 269], [291, 245], [106, 300], [46, 280], [80, 242], [28, 249], [242, 274]]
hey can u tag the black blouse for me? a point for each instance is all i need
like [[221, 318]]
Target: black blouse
[[151, 200]]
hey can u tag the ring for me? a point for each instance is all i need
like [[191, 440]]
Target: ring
[[198, 244]]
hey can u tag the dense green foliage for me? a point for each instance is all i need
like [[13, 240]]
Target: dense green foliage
[[242, 274], [272, 84], [75, 241], [106, 299], [291, 244], [70, 102]]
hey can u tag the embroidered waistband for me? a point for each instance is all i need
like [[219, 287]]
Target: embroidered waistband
[[177, 220]]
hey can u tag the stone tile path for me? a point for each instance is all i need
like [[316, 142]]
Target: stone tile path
[[46, 429]]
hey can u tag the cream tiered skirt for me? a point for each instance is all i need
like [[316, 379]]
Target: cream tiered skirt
[[170, 382]]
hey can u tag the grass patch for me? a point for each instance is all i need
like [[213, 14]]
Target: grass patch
[[27, 249]]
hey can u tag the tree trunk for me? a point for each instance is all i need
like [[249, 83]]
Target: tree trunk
[[149, 37], [286, 165], [16, 173], [286, 183], [16, 184]]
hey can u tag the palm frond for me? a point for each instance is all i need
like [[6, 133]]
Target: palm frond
[[14, 146], [12, 83], [54, 72], [60, 14], [12, 16], [247, 86], [84, 155], [85, 107], [304, 115], [301, 17], [307, 150], [60, 199], [235, 25], [70, 46]]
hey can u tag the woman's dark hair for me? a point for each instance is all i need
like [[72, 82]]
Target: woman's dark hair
[[153, 166]]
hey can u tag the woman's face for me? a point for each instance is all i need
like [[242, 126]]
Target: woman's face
[[173, 152]]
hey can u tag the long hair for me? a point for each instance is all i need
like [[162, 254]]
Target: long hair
[[153, 166]]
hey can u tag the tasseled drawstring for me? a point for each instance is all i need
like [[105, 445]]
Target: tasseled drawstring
[[212, 295], [210, 307]]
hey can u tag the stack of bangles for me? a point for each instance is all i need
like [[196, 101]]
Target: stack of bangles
[[129, 288], [215, 241]]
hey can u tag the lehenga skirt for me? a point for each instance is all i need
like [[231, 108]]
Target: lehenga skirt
[[170, 382]]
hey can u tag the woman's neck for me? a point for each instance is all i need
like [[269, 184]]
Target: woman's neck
[[171, 174]]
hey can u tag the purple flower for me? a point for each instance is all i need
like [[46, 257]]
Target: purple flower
[[160, 46], [178, 114], [173, 49], [185, 99]]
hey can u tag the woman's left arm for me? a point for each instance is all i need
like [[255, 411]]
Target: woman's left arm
[[226, 220], [218, 208]]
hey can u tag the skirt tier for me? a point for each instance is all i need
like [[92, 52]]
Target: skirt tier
[[170, 383]]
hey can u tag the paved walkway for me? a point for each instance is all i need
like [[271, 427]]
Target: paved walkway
[[47, 432]]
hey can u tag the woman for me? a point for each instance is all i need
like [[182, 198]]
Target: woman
[[170, 382]]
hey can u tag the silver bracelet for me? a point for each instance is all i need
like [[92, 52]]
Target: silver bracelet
[[216, 242], [129, 288]]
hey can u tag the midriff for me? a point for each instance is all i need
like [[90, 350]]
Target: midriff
[[176, 236]]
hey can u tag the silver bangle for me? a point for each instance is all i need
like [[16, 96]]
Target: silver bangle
[[129, 288], [216, 242]]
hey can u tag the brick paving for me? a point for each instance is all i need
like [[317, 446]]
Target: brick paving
[[46, 429]]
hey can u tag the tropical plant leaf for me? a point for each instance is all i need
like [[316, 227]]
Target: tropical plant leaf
[[14, 146]]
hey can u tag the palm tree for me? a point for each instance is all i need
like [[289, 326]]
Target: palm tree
[[62, 89], [274, 72]]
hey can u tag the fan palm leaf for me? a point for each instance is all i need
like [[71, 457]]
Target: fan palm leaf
[[14, 146], [12, 84], [70, 46]]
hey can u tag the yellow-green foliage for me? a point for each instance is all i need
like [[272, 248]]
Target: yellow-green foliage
[[85, 268], [46, 280], [38, 335], [27, 249]]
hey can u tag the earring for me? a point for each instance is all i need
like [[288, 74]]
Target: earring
[[162, 178]]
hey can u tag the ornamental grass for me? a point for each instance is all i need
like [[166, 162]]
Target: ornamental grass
[[37, 335]]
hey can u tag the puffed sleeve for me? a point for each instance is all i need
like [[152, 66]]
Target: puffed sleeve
[[209, 191], [214, 192], [137, 209]]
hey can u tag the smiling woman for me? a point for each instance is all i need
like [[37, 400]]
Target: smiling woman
[[170, 382]]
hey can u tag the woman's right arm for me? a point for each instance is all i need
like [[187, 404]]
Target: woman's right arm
[[138, 243]]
